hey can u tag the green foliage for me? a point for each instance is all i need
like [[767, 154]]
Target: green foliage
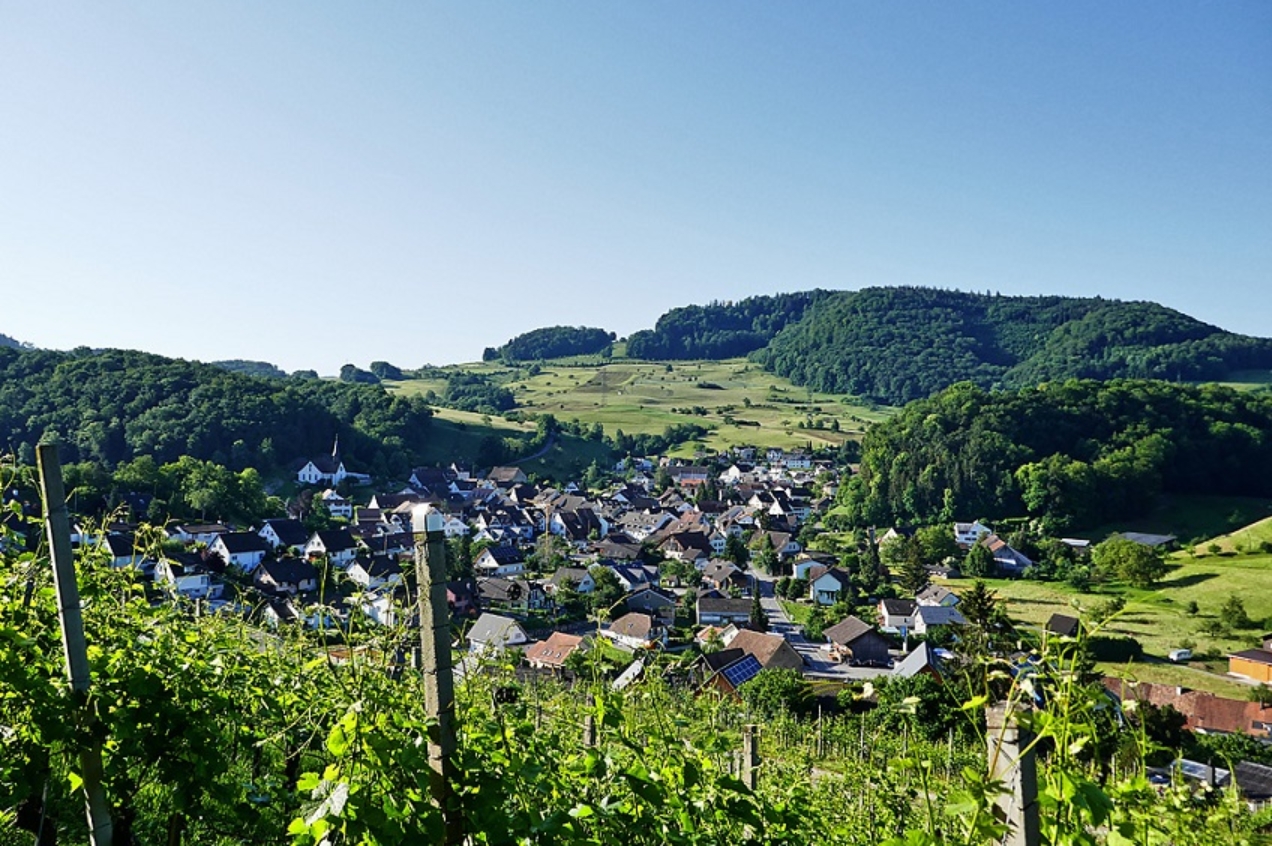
[[979, 562], [895, 345], [350, 373], [1136, 564], [759, 620], [969, 451], [720, 330], [476, 392], [608, 593], [1233, 614], [252, 368], [113, 406], [556, 342], [777, 691], [384, 370]]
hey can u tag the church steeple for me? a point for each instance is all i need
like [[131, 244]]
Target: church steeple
[[335, 448]]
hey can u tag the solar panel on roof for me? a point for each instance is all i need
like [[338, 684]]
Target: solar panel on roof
[[742, 670]]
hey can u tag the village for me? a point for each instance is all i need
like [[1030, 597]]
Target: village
[[712, 566]]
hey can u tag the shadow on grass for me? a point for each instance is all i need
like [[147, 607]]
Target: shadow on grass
[[1187, 581]]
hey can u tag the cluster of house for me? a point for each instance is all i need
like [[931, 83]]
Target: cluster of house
[[284, 561]]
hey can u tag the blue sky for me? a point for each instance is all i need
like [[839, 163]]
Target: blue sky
[[320, 183]]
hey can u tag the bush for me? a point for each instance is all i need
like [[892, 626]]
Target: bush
[[1115, 650]]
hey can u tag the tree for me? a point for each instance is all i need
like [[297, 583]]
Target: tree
[[1233, 614], [979, 562], [735, 550], [936, 544], [759, 620], [608, 591], [766, 559], [776, 692], [569, 599], [1136, 564], [913, 576]]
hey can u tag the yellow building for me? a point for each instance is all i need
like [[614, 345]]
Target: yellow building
[[1253, 664]]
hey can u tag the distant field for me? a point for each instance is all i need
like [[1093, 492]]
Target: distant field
[[1157, 618], [645, 397]]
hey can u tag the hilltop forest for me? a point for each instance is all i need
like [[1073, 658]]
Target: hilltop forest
[[1074, 453], [552, 342], [894, 345], [112, 406]]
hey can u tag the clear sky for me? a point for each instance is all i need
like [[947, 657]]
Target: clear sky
[[314, 183]]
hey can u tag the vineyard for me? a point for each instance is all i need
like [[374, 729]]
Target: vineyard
[[216, 730]]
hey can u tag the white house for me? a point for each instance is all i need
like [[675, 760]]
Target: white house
[[196, 532], [328, 469], [966, 534], [827, 588], [287, 575], [494, 633], [897, 614], [291, 534], [337, 506], [927, 616], [188, 580], [937, 595], [243, 551], [637, 631], [374, 573], [336, 544], [499, 561], [455, 527]]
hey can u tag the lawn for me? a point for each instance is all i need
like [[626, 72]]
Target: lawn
[[1158, 617], [797, 612]]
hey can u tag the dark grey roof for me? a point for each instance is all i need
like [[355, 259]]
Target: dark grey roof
[[1063, 625], [288, 571], [336, 540], [723, 605], [239, 542], [290, 532], [847, 630]]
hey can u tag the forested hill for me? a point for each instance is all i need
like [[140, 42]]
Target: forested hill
[[900, 344], [113, 405], [1074, 453], [720, 330], [552, 342]]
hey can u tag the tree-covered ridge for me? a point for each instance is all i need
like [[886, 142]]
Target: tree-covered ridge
[[901, 344], [114, 405], [251, 368], [720, 329], [1074, 453], [553, 342]]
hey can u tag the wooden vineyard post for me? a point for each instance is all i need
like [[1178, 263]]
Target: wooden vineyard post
[[750, 755], [589, 731], [57, 525], [436, 665], [1012, 761]]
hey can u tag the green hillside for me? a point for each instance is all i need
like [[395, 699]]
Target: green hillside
[[900, 344], [736, 401]]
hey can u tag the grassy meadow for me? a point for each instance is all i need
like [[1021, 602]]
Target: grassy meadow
[[735, 399], [1158, 617]]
